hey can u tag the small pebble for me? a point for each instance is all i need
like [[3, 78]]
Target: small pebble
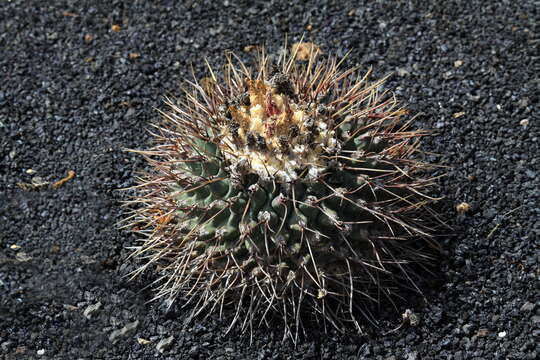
[[165, 344], [125, 331], [91, 309], [463, 208], [528, 306], [23, 257], [143, 341]]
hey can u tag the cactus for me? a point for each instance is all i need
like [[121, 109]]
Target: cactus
[[288, 188]]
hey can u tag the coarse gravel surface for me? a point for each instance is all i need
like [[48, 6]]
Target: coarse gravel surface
[[80, 81]]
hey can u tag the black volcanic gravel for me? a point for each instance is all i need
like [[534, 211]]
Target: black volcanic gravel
[[74, 93]]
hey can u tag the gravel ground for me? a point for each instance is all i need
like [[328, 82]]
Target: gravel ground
[[80, 81]]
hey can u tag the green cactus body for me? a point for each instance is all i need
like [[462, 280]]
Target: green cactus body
[[284, 189]]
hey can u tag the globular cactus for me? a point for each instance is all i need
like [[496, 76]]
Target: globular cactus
[[290, 187]]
